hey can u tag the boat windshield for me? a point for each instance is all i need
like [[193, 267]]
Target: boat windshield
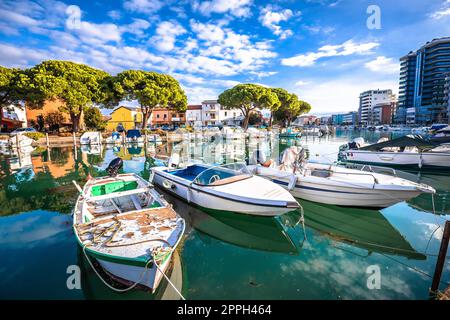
[[223, 174]]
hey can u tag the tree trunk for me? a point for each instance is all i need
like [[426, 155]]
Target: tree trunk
[[246, 119], [270, 119], [75, 122], [145, 117], [1, 118]]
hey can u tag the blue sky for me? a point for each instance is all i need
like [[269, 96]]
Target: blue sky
[[320, 49]]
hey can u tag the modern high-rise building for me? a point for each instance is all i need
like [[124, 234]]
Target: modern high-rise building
[[371, 98], [423, 83]]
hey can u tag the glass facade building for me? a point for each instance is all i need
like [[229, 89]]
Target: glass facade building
[[423, 83]]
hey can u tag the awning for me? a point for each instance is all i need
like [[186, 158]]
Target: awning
[[405, 141]]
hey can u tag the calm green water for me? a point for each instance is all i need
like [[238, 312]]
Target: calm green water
[[223, 255]]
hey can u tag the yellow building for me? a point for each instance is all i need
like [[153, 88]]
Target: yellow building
[[127, 117]]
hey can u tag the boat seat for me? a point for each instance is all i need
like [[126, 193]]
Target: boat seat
[[135, 202], [321, 173]]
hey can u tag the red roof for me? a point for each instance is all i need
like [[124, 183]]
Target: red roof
[[194, 107]]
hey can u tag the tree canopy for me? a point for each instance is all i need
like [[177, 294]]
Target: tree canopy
[[150, 89], [93, 119], [290, 106], [77, 85], [248, 97], [14, 86]]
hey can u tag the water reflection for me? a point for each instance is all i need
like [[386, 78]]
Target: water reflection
[[363, 228], [222, 256], [254, 232]]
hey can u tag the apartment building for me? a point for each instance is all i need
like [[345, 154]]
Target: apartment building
[[371, 98]]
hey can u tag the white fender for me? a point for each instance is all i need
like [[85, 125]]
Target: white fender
[[292, 182]]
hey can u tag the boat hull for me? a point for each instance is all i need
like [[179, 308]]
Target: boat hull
[[335, 192], [203, 198], [350, 197], [149, 278], [419, 160]]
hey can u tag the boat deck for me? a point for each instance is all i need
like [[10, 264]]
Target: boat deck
[[133, 234]]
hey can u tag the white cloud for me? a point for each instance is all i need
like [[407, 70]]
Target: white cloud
[[19, 57], [95, 34], [114, 14], [166, 34], [443, 12], [237, 8], [143, 6], [17, 18], [207, 32], [340, 94], [301, 83], [263, 74], [229, 51], [270, 17], [197, 94], [137, 27], [314, 29], [345, 49], [383, 65]]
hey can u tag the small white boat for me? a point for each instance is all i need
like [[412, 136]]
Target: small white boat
[[313, 131], [91, 138], [228, 187], [154, 138], [410, 150], [332, 184], [15, 141], [254, 133], [134, 136], [115, 138], [212, 132], [232, 133], [290, 132], [123, 223]]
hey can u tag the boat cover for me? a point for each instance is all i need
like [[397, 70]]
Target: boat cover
[[133, 134], [405, 141]]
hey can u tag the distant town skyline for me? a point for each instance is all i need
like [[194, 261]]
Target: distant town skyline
[[323, 50]]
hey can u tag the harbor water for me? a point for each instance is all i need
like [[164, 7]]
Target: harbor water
[[222, 255]]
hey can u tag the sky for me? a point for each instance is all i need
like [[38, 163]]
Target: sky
[[326, 51]]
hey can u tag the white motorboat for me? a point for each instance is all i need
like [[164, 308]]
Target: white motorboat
[[15, 141], [332, 184], [408, 150], [228, 187], [441, 135], [313, 131], [123, 223], [232, 133], [91, 138]]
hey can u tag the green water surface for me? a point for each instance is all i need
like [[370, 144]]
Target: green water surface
[[223, 255]]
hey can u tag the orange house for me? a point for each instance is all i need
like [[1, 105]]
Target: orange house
[[33, 115], [165, 116]]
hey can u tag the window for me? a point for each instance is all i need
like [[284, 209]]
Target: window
[[165, 116], [157, 116], [225, 113]]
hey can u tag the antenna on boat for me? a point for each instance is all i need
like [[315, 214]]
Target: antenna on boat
[[77, 186]]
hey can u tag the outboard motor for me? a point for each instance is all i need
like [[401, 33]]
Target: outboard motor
[[114, 167], [258, 157]]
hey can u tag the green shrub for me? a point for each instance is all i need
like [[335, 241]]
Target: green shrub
[[35, 135]]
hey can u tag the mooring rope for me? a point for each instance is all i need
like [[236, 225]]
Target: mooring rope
[[107, 284]]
